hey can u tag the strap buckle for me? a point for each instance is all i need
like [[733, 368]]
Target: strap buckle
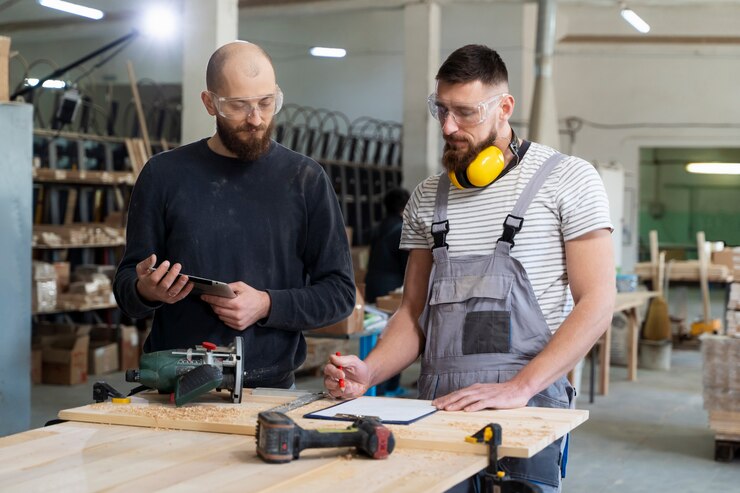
[[439, 233], [512, 225]]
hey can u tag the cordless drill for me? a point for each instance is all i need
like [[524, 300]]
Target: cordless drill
[[280, 440]]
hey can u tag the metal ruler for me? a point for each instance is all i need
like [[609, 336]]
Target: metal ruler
[[300, 401]]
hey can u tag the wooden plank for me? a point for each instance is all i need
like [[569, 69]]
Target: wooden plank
[[83, 177], [701, 248], [526, 431], [90, 457], [139, 109], [4, 68]]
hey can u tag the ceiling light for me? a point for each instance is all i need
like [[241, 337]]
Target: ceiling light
[[73, 8], [328, 52], [714, 168], [633, 19], [49, 83], [160, 22]]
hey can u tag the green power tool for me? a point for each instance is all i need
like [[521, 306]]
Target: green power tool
[[189, 373]]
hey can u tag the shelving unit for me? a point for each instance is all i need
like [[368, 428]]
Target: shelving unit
[[81, 189]]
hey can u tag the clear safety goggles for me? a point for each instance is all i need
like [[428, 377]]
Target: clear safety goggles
[[243, 108], [464, 114]]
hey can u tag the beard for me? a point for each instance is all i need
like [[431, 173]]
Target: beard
[[247, 147], [459, 159]]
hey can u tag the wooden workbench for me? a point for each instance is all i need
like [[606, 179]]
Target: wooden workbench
[[628, 303], [148, 445]]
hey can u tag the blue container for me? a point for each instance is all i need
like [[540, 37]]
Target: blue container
[[626, 283]]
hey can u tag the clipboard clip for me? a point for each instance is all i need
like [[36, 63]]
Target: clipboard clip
[[355, 417]]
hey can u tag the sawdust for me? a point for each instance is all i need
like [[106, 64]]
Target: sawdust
[[201, 413]]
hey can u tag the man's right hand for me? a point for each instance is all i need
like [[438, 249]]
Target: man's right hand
[[355, 373], [161, 285]]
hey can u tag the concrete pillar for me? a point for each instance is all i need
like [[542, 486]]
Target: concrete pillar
[[543, 122], [16, 217], [421, 61], [206, 26]]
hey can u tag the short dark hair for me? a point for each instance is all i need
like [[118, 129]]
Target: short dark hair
[[471, 63], [395, 200]]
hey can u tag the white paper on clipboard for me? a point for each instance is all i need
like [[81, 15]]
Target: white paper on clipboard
[[390, 410]]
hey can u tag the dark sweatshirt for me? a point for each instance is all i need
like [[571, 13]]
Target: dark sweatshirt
[[273, 223]]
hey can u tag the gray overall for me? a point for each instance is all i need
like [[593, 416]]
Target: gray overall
[[483, 324]]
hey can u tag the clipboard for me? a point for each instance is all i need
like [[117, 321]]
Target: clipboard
[[389, 410]]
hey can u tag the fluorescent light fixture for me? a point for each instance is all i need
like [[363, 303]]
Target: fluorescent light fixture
[[49, 84], [160, 22], [634, 20], [714, 168], [73, 8], [328, 52]]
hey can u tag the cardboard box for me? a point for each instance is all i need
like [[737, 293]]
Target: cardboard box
[[354, 323], [64, 359], [102, 357], [730, 258], [130, 348], [389, 303], [36, 366], [62, 270]]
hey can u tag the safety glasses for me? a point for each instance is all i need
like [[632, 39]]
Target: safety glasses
[[467, 115], [243, 108]]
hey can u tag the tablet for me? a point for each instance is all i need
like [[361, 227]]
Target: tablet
[[202, 285]]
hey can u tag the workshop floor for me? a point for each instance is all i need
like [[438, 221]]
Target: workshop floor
[[645, 436]]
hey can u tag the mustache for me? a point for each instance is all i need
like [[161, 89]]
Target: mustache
[[250, 127]]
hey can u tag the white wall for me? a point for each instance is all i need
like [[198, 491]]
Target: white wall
[[648, 83]]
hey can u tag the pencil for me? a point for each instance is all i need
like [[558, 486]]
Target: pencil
[[341, 380]]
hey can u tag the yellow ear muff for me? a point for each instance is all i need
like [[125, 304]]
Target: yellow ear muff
[[485, 167], [454, 181]]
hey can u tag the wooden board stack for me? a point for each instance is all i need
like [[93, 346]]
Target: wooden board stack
[[686, 270], [721, 379]]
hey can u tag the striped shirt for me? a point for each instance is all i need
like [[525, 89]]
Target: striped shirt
[[571, 203]]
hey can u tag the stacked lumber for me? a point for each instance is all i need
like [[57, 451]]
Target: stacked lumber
[[721, 380], [77, 234], [83, 176], [686, 270]]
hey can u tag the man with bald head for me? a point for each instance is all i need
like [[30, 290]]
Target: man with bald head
[[240, 208]]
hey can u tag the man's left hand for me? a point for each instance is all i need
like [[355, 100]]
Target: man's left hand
[[508, 395], [249, 306]]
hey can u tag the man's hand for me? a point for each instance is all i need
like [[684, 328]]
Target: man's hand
[[354, 372], [508, 395], [161, 285], [249, 306]]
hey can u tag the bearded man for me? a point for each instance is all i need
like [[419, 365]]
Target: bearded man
[[510, 276], [240, 208]]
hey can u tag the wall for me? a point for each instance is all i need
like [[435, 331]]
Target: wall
[[678, 204], [690, 89]]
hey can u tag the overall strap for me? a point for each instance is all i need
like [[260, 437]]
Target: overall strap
[[513, 222], [440, 224]]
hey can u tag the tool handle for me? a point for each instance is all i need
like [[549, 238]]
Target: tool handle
[[327, 439]]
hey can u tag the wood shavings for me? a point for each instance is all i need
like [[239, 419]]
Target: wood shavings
[[201, 413]]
